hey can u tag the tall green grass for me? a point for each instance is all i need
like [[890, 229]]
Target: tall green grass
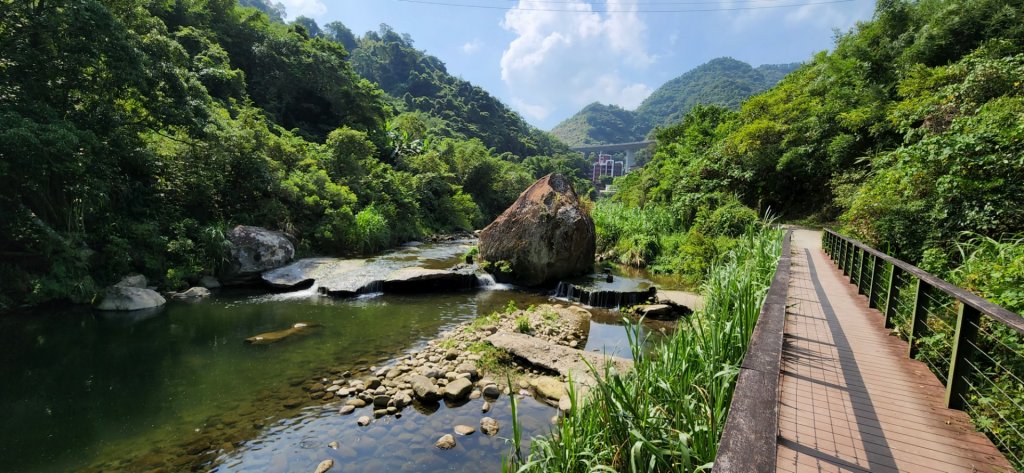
[[668, 413]]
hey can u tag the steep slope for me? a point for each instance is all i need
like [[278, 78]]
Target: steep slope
[[723, 81]]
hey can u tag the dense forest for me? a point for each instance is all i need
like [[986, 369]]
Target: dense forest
[[723, 81], [133, 133]]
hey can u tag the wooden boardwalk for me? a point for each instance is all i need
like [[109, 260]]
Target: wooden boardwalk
[[850, 399]]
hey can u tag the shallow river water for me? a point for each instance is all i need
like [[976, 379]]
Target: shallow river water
[[178, 390]]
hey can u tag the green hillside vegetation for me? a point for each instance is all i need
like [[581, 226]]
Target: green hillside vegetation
[[723, 81], [909, 135], [133, 134]]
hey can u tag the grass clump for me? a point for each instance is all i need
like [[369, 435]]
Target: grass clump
[[668, 414], [523, 324]]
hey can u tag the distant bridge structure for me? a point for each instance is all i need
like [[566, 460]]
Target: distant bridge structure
[[602, 165]]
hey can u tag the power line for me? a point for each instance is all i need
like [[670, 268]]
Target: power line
[[692, 10]]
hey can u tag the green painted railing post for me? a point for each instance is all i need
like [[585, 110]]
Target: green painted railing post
[[842, 256], [891, 294], [876, 270], [918, 318], [963, 350]]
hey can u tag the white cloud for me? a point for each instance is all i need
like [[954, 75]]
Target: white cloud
[[308, 8], [568, 59], [472, 46]]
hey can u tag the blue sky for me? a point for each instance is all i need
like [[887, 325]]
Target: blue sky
[[548, 58]]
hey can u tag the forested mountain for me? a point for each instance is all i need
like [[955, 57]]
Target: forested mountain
[[132, 134], [723, 81]]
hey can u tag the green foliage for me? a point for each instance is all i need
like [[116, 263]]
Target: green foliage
[[667, 414], [523, 324]]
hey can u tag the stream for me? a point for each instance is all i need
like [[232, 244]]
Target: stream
[[178, 390]]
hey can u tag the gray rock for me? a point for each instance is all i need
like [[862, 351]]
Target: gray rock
[[468, 368], [446, 442], [372, 383], [492, 391], [412, 280], [655, 311], [193, 293], [565, 403], [347, 409], [458, 389], [133, 280], [424, 388], [209, 282], [356, 402], [378, 413], [125, 298], [489, 426], [464, 429], [381, 400], [298, 273], [402, 399], [552, 356], [253, 251], [363, 421], [545, 236]]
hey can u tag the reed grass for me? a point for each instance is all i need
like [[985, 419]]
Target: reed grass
[[668, 413]]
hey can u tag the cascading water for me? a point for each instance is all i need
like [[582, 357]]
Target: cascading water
[[598, 292]]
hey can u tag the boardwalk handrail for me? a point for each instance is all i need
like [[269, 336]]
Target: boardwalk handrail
[[930, 303], [748, 442]]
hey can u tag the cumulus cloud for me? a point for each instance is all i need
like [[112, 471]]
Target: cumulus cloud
[[308, 8], [472, 46], [564, 60]]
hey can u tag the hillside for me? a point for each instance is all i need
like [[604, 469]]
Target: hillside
[[723, 81]]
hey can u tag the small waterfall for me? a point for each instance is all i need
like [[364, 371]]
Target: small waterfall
[[486, 282], [372, 287], [602, 298]]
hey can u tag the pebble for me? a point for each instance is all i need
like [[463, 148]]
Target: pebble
[[486, 407], [378, 413], [334, 445], [356, 402], [489, 426], [492, 391], [363, 421], [446, 442], [347, 409], [332, 388], [464, 429], [324, 466]]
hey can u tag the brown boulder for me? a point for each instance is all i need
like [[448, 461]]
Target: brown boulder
[[545, 236]]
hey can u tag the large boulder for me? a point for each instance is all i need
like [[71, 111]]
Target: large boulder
[[253, 251], [123, 298], [545, 236]]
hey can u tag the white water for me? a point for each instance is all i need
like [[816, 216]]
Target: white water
[[488, 283]]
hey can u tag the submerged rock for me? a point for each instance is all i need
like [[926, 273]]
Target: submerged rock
[[253, 251], [489, 426], [446, 442], [545, 236], [464, 429], [274, 337], [125, 298], [193, 293], [324, 466]]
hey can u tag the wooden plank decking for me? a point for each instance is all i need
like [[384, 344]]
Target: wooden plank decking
[[850, 399]]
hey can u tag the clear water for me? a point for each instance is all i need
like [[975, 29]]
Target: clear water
[[177, 389]]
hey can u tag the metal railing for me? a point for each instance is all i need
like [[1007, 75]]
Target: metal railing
[[975, 347], [748, 442]]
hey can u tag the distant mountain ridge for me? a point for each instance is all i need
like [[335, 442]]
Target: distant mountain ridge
[[722, 81]]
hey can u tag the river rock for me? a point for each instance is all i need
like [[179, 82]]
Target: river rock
[[464, 429], [347, 409], [125, 298], [446, 442], [298, 274], [324, 466], [489, 426], [486, 407], [253, 251], [193, 293], [363, 421], [468, 368], [549, 388], [458, 389], [402, 399], [133, 280], [545, 236], [413, 280], [492, 391], [424, 388], [209, 282], [381, 400], [655, 311], [552, 356]]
